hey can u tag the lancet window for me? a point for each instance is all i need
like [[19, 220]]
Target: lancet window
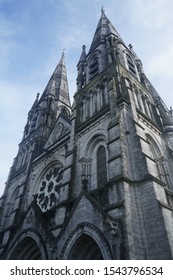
[[94, 67], [131, 64], [101, 167], [161, 162], [143, 103]]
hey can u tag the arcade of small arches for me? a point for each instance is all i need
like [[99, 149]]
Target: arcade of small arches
[[144, 104], [22, 156], [93, 101]]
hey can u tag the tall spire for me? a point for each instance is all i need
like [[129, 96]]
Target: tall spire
[[54, 100], [104, 27], [57, 86], [81, 66]]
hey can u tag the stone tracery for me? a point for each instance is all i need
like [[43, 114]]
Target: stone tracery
[[50, 184]]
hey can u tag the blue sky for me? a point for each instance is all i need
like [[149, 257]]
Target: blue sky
[[34, 33]]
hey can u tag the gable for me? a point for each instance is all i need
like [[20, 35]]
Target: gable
[[87, 210], [61, 129]]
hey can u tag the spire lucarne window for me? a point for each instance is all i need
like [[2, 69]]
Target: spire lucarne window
[[94, 67], [131, 64]]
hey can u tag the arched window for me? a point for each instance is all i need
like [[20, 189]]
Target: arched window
[[161, 163], [101, 167], [94, 67], [138, 99], [87, 113], [131, 64], [81, 111]]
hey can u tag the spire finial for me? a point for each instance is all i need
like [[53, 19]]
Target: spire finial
[[102, 10], [63, 52]]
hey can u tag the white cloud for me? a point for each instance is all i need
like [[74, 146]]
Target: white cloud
[[151, 14], [8, 43], [161, 63], [159, 69]]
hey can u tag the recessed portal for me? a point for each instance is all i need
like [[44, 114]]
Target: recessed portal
[[85, 248], [27, 250]]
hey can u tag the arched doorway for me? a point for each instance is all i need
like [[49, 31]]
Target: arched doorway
[[27, 250], [85, 248]]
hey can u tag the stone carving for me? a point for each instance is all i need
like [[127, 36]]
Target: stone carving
[[114, 227], [50, 184], [58, 132]]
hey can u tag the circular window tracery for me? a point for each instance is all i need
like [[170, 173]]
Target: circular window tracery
[[48, 194], [58, 132]]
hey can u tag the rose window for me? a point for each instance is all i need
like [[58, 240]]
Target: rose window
[[50, 185]]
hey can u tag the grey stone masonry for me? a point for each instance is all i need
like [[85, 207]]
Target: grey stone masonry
[[93, 181]]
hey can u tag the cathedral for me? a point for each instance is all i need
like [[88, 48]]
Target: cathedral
[[93, 180]]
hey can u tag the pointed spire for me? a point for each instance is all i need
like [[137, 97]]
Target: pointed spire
[[58, 84], [103, 29], [54, 101], [36, 100], [83, 54], [81, 66], [133, 52], [102, 10]]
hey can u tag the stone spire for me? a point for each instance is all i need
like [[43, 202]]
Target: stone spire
[[83, 55], [42, 117], [81, 66], [54, 100], [57, 86], [103, 29]]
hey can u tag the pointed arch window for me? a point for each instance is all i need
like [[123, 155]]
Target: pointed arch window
[[94, 67], [101, 167], [138, 99], [144, 104], [81, 111], [131, 64], [161, 163]]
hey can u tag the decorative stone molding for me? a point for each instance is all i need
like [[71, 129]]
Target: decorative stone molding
[[58, 132], [114, 227], [92, 231]]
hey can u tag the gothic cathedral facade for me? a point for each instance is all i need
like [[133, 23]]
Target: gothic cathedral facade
[[93, 181]]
